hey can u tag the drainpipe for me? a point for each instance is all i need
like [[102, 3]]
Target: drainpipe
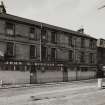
[[41, 43]]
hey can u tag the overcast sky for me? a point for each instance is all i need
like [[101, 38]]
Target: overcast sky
[[71, 14]]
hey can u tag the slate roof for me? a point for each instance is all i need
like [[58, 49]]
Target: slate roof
[[32, 22]]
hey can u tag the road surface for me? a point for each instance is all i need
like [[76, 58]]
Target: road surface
[[75, 93]]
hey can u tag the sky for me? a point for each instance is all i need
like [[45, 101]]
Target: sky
[[70, 14]]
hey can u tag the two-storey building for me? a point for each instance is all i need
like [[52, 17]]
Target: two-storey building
[[35, 52]]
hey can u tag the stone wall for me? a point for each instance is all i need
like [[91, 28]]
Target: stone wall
[[15, 77]]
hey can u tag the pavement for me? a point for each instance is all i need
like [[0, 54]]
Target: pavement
[[84, 92], [45, 84]]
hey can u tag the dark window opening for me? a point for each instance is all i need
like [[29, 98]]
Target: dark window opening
[[44, 53], [32, 52], [82, 42], [70, 41], [44, 34], [84, 69], [53, 54], [10, 50], [70, 55], [53, 37], [82, 60]]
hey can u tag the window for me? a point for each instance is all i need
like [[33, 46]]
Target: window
[[44, 53], [101, 42], [70, 55], [44, 34], [82, 56], [53, 54], [10, 28], [91, 58], [10, 49], [53, 37], [92, 44], [82, 42], [70, 41], [32, 34], [32, 51]]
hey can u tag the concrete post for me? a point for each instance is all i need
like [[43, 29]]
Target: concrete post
[[99, 82]]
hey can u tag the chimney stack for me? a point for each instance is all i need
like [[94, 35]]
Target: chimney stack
[[81, 30], [2, 8]]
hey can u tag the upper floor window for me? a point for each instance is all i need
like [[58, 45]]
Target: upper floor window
[[92, 44], [32, 34], [70, 42], [70, 55], [53, 37], [10, 28], [43, 34], [32, 51], [82, 42]]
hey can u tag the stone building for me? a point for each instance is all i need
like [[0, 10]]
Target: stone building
[[35, 52], [101, 51]]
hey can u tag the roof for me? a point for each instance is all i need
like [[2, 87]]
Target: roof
[[32, 22]]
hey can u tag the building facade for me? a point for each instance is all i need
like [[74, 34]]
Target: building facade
[[35, 52], [101, 51]]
